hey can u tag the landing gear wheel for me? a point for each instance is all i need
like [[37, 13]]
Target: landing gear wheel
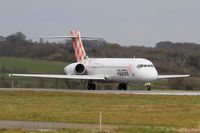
[[91, 86], [122, 86], [148, 87]]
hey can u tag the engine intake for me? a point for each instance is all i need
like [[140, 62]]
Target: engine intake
[[80, 69]]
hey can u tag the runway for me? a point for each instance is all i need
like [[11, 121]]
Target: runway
[[134, 92], [42, 125]]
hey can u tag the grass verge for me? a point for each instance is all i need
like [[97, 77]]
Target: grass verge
[[31, 65], [130, 112]]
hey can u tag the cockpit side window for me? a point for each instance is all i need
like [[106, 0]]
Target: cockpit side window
[[139, 66]]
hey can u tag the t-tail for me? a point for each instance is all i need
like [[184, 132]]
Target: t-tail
[[78, 46]]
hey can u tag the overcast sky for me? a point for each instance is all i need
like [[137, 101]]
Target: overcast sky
[[128, 22]]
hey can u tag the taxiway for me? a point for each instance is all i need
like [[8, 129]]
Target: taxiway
[[134, 92]]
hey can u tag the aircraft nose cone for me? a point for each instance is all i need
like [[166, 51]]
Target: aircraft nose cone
[[150, 75], [65, 70], [154, 74]]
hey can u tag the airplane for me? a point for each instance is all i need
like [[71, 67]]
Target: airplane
[[118, 70]]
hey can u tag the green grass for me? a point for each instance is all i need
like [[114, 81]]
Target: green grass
[[130, 113], [31, 65], [25, 65]]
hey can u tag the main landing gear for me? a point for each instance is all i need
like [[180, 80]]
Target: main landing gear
[[91, 85], [122, 86], [148, 86]]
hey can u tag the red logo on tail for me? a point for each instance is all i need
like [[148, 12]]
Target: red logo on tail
[[78, 46]]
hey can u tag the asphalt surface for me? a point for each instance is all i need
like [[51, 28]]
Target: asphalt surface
[[42, 125], [141, 92]]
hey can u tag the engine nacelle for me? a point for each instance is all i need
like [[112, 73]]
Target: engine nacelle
[[80, 69], [75, 68]]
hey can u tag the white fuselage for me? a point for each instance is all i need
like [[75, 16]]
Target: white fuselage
[[124, 70]]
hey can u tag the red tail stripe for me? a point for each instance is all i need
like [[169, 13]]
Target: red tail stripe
[[78, 46]]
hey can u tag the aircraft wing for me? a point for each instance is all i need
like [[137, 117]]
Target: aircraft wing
[[56, 76], [171, 76]]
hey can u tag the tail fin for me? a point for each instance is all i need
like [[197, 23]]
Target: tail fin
[[78, 46]]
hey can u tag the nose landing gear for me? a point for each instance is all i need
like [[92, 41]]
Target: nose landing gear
[[148, 86]]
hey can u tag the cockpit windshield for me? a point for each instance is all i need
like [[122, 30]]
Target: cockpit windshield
[[144, 65]]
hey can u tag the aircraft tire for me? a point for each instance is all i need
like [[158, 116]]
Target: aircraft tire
[[122, 86], [93, 86], [148, 87], [89, 86]]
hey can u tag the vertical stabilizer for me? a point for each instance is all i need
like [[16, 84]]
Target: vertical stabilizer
[[78, 46]]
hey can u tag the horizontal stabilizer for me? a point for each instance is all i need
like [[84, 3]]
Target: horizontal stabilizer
[[56, 76], [63, 37], [172, 76]]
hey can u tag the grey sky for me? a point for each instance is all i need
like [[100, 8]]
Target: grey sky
[[128, 22]]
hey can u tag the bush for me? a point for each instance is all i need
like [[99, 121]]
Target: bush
[[188, 87]]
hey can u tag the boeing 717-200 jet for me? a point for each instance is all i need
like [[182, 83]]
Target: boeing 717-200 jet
[[117, 70]]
